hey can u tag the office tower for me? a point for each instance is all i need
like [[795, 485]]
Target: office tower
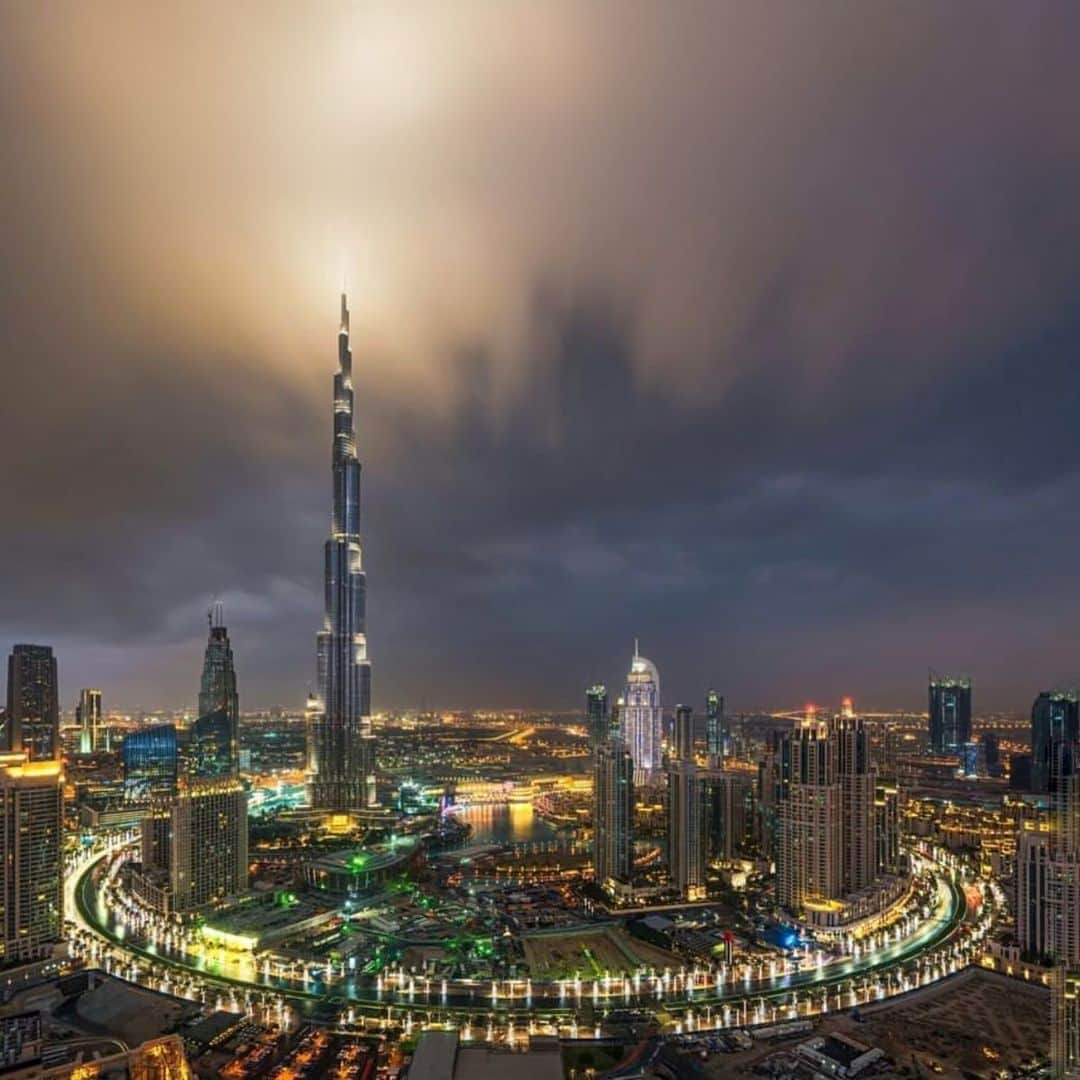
[[150, 763], [209, 842], [33, 704], [991, 753], [687, 811], [216, 732], [682, 743], [1055, 719], [687, 823], [341, 757], [729, 810], [858, 815], [596, 715], [212, 745], [641, 717], [613, 811], [93, 734], [887, 827], [950, 713], [809, 796], [714, 727], [31, 867]]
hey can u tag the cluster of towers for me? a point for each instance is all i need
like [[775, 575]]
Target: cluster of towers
[[835, 823], [706, 804], [195, 833]]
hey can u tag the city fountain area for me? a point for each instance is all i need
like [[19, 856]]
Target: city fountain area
[[492, 942]]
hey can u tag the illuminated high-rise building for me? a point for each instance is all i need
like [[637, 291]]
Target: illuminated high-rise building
[[31, 857], [216, 732], [809, 800], [32, 724], [858, 813], [596, 715], [613, 811], [641, 717], [341, 751], [1055, 720], [714, 726], [93, 735], [950, 713], [150, 763], [682, 743], [687, 811], [208, 838]]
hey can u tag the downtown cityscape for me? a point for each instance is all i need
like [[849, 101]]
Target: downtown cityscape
[[560, 808]]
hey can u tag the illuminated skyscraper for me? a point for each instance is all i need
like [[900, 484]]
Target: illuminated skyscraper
[[613, 811], [641, 717], [150, 763], [1055, 719], [216, 732], [209, 842], [858, 815], [950, 713], [596, 715], [93, 735], [341, 750], [33, 704], [682, 743], [809, 798], [714, 726], [31, 857], [687, 811]]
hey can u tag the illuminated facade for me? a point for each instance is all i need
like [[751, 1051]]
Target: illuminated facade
[[808, 852], [687, 811], [93, 735], [31, 867], [950, 713], [215, 736], [32, 724], [613, 811], [209, 843], [150, 763], [596, 715], [641, 717], [341, 749], [1055, 720], [714, 726]]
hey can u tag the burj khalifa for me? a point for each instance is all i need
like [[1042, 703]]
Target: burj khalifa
[[341, 748]]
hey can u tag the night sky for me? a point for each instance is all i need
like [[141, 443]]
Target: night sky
[[750, 330]]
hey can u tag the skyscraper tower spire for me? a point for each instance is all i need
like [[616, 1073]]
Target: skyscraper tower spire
[[341, 755]]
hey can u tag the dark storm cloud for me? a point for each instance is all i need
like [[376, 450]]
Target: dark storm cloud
[[747, 330]]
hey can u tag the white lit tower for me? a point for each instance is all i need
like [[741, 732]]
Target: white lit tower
[[642, 718], [341, 748]]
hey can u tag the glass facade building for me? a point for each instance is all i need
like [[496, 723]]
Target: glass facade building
[[32, 723], [341, 747], [150, 763], [950, 714]]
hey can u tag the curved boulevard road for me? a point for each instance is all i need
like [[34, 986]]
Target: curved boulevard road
[[931, 952]]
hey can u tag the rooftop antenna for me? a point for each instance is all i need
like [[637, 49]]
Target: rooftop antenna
[[635, 648]]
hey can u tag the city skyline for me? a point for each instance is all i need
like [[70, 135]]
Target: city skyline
[[793, 422]]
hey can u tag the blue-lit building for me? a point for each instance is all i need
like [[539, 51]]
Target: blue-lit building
[[950, 714], [1055, 722], [150, 763]]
